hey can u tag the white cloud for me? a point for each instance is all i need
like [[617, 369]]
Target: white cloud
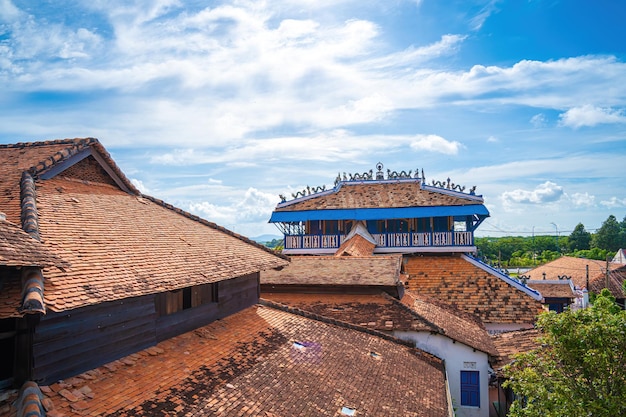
[[8, 11], [539, 120], [493, 139], [545, 193], [477, 22], [253, 209], [614, 202], [140, 186], [582, 199], [434, 143], [589, 115]]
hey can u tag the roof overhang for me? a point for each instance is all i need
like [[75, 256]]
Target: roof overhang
[[380, 213]]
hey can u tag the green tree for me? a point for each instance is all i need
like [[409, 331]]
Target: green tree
[[579, 239], [579, 369], [608, 236]]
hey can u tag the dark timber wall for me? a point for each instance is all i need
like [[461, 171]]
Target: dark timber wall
[[72, 342]]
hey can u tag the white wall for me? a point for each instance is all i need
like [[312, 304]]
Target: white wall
[[458, 357]]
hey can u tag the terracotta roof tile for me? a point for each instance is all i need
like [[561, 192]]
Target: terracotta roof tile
[[10, 293], [553, 289], [616, 282], [378, 270], [373, 311], [511, 343], [18, 248], [455, 323], [453, 280], [391, 194], [357, 245], [120, 244], [262, 362], [574, 268]]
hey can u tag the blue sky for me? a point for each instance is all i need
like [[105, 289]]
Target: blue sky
[[218, 107]]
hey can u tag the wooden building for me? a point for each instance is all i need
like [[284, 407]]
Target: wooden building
[[399, 210], [135, 269], [431, 227]]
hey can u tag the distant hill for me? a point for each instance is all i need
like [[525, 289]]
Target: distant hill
[[265, 238]]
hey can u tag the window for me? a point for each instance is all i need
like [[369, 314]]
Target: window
[[470, 390], [173, 301]]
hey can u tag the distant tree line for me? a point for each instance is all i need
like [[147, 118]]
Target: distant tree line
[[274, 244], [517, 251]]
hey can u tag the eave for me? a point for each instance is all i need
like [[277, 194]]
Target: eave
[[380, 213]]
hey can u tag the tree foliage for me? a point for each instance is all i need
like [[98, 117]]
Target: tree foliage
[[579, 369], [529, 251], [610, 235], [579, 239]]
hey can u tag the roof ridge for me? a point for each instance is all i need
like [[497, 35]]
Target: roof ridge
[[77, 145], [428, 357], [20, 145], [212, 225], [28, 205]]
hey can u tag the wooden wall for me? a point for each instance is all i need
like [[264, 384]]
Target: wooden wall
[[75, 341]]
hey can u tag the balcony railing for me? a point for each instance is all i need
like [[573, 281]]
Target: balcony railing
[[384, 240]]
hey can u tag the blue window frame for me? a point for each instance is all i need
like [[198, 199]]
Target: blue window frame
[[470, 389]]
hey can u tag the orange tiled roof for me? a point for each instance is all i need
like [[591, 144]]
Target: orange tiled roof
[[511, 343], [357, 245], [261, 362], [453, 280], [10, 293], [574, 268], [18, 248], [37, 158], [616, 282], [372, 311], [454, 323], [119, 243], [392, 194], [384, 313], [553, 289], [380, 270]]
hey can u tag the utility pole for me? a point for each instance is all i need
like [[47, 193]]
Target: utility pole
[[606, 284]]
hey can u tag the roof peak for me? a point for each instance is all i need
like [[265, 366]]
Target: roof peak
[[75, 141], [380, 178]]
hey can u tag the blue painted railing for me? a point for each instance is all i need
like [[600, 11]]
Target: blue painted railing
[[384, 240]]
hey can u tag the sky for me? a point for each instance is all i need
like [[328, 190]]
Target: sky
[[218, 107]]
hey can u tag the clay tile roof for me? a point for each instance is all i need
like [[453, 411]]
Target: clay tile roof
[[392, 194], [118, 242], [10, 293], [377, 270], [372, 311], [458, 282], [262, 362], [553, 289], [574, 268], [616, 282], [18, 248], [357, 245], [511, 343], [454, 323], [38, 158]]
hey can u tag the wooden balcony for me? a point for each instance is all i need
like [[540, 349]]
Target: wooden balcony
[[386, 242]]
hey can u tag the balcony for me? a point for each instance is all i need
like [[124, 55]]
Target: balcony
[[386, 242]]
